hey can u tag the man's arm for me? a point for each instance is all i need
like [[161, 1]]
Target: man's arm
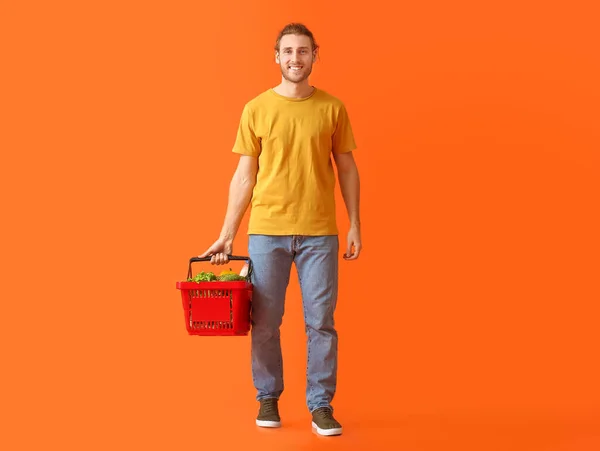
[[350, 187], [240, 194]]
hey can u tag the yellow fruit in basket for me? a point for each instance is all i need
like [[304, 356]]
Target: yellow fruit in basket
[[224, 273]]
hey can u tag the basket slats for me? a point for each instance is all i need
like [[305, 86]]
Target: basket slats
[[216, 308]]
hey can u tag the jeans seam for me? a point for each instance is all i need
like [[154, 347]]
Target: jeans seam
[[307, 331]]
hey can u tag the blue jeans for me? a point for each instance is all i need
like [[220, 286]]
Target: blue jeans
[[316, 260]]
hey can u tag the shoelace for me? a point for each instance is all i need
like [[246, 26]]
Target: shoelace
[[269, 407], [324, 412]]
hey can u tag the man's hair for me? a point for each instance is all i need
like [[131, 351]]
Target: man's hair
[[296, 28]]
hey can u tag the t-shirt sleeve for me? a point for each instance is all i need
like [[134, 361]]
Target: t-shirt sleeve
[[343, 137], [246, 141]]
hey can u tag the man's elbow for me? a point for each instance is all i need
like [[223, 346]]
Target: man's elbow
[[345, 163], [246, 179], [349, 168]]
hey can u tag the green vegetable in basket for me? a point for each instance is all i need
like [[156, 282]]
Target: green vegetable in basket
[[230, 277], [203, 276]]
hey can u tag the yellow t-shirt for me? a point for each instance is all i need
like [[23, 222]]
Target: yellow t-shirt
[[293, 140]]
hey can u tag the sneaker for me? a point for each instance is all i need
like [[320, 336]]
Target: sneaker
[[324, 423], [268, 414]]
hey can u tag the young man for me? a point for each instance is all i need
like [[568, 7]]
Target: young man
[[286, 138]]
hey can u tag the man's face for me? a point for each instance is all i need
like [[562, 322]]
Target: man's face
[[295, 57]]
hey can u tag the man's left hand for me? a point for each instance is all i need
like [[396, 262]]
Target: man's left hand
[[354, 244]]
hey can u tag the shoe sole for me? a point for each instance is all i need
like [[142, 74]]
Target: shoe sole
[[268, 424], [327, 432]]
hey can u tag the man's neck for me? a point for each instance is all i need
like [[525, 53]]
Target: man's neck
[[294, 90]]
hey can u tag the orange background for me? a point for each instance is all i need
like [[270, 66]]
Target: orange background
[[470, 321]]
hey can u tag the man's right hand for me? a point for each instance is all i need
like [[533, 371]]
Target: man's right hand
[[219, 251]]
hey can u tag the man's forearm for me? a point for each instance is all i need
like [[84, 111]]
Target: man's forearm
[[350, 187], [240, 194]]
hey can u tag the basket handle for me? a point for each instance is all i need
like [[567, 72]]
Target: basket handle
[[230, 257]]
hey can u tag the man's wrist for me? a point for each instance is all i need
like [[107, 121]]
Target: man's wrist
[[227, 236]]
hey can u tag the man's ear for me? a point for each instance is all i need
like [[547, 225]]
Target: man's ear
[[277, 57]]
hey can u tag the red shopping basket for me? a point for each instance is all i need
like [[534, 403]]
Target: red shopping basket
[[217, 307]]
